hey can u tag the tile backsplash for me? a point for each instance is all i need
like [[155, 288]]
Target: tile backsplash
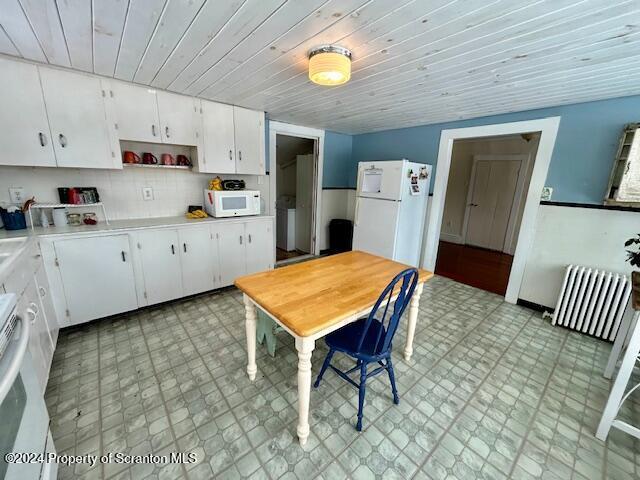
[[121, 190]]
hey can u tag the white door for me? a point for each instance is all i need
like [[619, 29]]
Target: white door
[[493, 186], [179, 117], [259, 251], [304, 202], [97, 274], [24, 128], [160, 258], [46, 302], [218, 138], [78, 120], [249, 140], [231, 248], [196, 259], [136, 112], [382, 179], [375, 226]]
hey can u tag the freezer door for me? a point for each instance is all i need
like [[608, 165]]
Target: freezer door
[[376, 223], [381, 180]]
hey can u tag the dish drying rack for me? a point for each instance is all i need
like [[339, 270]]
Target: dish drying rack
[[41, 206]]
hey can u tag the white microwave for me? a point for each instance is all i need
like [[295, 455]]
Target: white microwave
[[232, 203]]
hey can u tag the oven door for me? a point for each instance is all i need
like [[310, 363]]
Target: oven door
[[23, 413]]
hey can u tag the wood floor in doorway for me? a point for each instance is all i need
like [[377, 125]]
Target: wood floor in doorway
[[478, 267]]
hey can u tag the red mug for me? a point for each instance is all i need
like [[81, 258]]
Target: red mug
[[149, 158], [183, 160], [167, 159], [130, 157]]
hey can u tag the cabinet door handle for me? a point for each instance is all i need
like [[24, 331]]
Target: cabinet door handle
[[240, 155], [124, 258], [184, 247], [166, 131], [153, 130], [230, 155], [240, 239], [63, 140], [43, 292], [33, 314], [43, 139], [249, 238], [173, 249]]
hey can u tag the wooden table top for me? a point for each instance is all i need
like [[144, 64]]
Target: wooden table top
[[310, 296]]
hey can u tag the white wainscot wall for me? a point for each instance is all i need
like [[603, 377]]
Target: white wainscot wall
[[574, 235]]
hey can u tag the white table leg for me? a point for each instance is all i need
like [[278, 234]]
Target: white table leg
[[621, 336], [305, 347], [413, 318], [619, 385], [250, 324]]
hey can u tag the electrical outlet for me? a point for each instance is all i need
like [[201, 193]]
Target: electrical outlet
[[17, 195], [147, 193]]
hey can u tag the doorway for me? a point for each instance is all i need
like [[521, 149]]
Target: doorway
[[488, 179], [547, 128], [294, 196]]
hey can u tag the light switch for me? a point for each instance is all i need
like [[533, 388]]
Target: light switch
[[17, 195], [546, 194], [147, 193]]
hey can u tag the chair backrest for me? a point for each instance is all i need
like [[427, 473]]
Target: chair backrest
[[403, 286]]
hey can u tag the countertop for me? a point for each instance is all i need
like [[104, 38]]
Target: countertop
[[120, 225]]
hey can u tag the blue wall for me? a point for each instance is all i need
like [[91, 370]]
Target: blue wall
[[582, 158], [338, 163]]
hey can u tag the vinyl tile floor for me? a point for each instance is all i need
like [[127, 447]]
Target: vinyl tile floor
[[493, 391]]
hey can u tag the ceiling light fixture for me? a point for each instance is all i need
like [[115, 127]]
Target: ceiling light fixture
[[330, 65]]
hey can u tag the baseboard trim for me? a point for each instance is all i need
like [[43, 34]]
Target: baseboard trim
[[534, 306], [451, 238]]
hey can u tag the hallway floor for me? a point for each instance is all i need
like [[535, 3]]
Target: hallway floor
[[477, 267]]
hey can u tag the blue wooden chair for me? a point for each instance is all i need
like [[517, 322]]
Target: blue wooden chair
[[368, 340]]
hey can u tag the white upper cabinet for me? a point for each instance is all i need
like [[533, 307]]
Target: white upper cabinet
[[218, 138], [249, 140], [179, 118], [77, 119], [24, 128], [136, 112]]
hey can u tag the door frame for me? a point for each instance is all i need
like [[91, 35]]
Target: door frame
[[281, 128], [517, 195], [548, 128]]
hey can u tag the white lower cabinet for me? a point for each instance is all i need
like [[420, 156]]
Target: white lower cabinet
[[97, 276], [231, 246], [259, 246], [40, 345], [159, 252], [46, 304], [198, 256]]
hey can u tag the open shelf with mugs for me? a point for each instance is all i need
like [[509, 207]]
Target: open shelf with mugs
[[157, 155]]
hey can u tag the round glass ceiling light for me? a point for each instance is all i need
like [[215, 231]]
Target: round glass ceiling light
[[329, 65]]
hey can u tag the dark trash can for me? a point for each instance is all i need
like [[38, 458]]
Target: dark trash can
[[340, 235]]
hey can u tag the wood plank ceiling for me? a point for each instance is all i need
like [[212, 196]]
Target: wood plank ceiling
[[415, 61]]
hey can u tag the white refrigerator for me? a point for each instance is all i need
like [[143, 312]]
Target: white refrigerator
[[391, 204]]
